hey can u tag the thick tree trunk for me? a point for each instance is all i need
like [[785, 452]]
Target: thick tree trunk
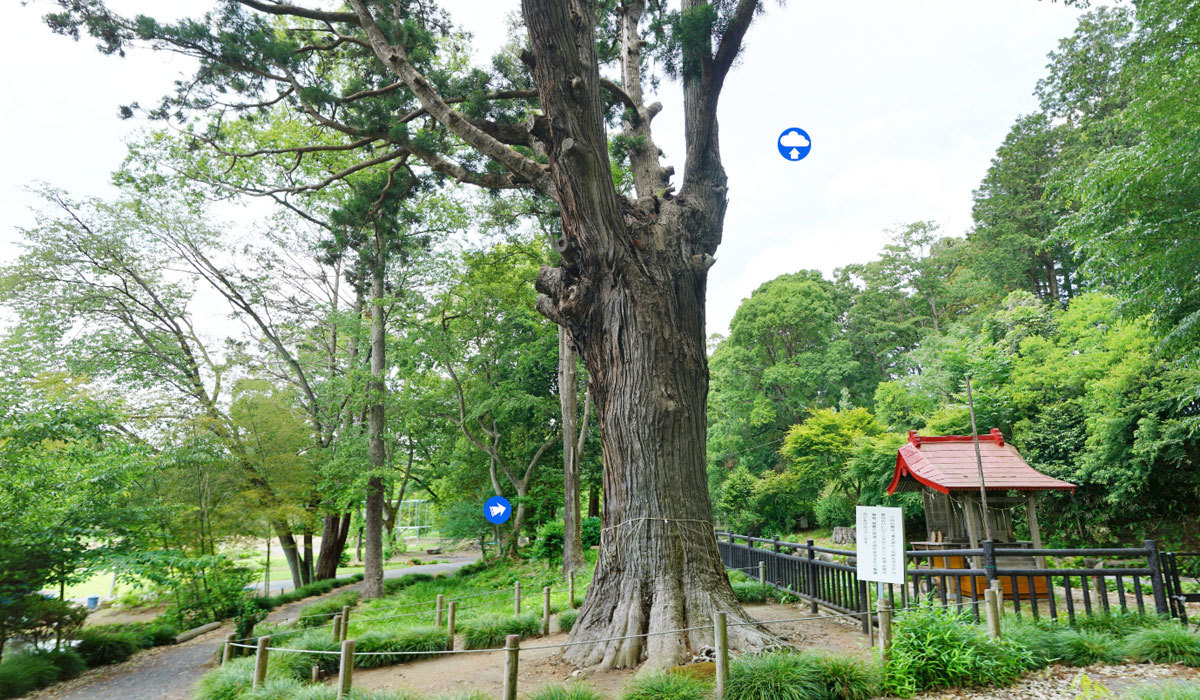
[[569, 400], [308, 555], [373, 521], [335, 529]]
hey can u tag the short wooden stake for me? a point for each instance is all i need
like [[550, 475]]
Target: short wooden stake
[[316, 674], [517, 598], [227, 652], [571, 589], [884, 606], [337, 627], [260, 661], [345, 622], [546, 611], [721, 639], [993, 613], [437, 614], [346, 669], [762, 573], [450, 628], [512, 652]]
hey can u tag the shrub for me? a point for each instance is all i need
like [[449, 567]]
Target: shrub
[[158, 634], [667, 686], [1170, 644], [549, 543], [775, 676], [22, 673], [1036, 636], [574, 691], [320, 612], [566, 620], [752, 591], [935, 648], [589, 531], [99, 647], [1086, 647], [68, 662], [489, 631], [1168, 691], [413, 639], [470, 569], [834, 510]]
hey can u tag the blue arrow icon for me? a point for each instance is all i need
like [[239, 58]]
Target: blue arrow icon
[[497, 510]]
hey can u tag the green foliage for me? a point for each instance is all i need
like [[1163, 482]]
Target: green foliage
[[421, 639], [1167, 644], [566, 620], [99, 647], [775, 676], [590, 529], [573, 691], [320, 612], [835, 509], [666, 686], [489, 631], [935, 648], [23, 673], [68, 661], [549, 543], [1086, 647], [752, 591], [393, 586]]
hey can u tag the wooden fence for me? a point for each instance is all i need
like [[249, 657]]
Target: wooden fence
[[1112, 579]]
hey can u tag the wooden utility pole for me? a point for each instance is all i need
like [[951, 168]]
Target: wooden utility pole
[[987, 529]]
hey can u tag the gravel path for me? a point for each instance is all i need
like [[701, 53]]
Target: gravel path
[[168, 673], [1062, 683]]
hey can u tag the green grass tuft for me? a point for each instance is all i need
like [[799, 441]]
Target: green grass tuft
[[489, 631], [1117, 623], [1086, 647], [667, 686], [322, 612], [228, 682], [22, 673], [413, 639], [847, 678], [566, 620], [1170, 644], [752, 591], [574, 691], [99, 647], [775, 676]]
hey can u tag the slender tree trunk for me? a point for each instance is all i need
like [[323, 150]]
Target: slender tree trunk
[[569, 400], [373, 521], [308, 555], [594, 502], [290, 552]]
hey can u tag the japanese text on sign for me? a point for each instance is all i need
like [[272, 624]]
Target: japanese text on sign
[[879, 535]]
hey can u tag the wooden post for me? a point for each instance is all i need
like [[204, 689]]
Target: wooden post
[[721, 641], [437, 618], [992, 609], [260, 661], [884, 606], [546, 611], [345, 622], [512, 651], [762, 573], [1035, 531], [346, 669], [571, 588], [316, 674], [450, 628], [517, 598], [337, 627], [227, 652]]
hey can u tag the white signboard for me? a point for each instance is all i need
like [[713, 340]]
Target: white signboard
[[879, 534]]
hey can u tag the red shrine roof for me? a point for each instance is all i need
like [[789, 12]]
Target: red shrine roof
[[947, 463]]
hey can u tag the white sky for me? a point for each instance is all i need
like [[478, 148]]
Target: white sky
[[905, 102]]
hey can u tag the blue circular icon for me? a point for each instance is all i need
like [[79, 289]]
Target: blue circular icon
[[497, 509], [794, 144]]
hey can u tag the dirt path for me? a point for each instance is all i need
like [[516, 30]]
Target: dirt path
[[464, 672], [168, 673]]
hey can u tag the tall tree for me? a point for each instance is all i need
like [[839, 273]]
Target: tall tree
[[631, 287]]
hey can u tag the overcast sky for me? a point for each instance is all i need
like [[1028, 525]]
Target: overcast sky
[[905, 103]]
